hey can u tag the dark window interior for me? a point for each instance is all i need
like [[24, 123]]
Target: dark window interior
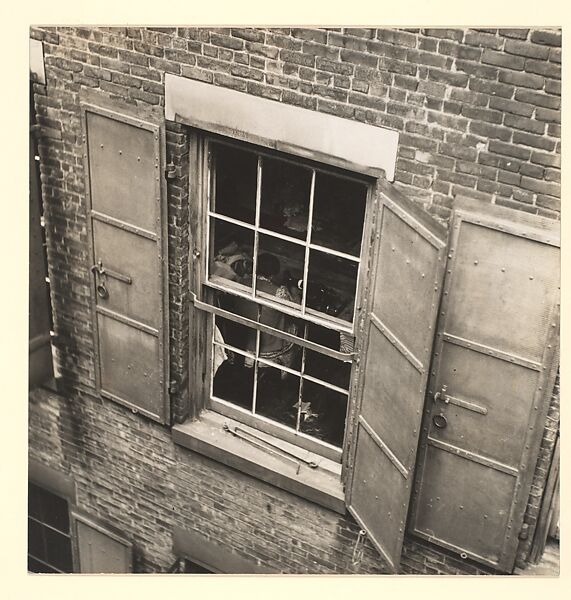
[[49, 541]]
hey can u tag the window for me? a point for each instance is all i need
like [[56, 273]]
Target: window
[[284, 241], [49, 537]]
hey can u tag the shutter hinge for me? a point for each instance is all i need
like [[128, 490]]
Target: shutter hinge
[[173, 387], [524, 531], [172, 171]]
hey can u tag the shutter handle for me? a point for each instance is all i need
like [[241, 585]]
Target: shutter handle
[[102, 271], [441, 395], [100, 280]]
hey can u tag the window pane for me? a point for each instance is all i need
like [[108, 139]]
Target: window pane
[[36, 540], [233, 377], [279, 268], [237, 305], [328, 369], [323, 336], [338, 213], [280, 351], [59, 550], [231, 251], [235, 334], [278, 393], [332, 282], [234, 182], [55, 511], [285, 194], [35, 501], [323, 413], [35, 566]]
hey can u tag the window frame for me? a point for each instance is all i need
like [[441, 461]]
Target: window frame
[[44, 525], [202, 328]]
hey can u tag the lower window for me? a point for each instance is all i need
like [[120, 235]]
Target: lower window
[[49, 537]]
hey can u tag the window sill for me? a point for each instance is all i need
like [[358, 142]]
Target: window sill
[[206, 436]]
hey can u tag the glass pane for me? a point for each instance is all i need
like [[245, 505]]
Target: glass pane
[[332, 283], [278, 394], [323, 336], [59, 550], [280, 351], [35, 566], [236, 304], [35, 501], [231, 251], [36, 540], [233, 377], [235, 334], [284, 205], [55, 511], [234, 182], [338, 213], [323, 413], [328, 369], [279, 269]]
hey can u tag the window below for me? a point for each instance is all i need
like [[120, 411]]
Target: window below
[[49, 537]]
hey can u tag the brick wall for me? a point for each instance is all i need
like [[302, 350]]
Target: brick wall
[[478, 112]]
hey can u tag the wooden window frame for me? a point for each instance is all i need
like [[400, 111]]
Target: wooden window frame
[[60, 487], [202, 329]]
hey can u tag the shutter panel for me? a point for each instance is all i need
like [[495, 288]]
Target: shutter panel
[[100, 550], [405, 282], [40, 350], [124, 165], [493, 372]]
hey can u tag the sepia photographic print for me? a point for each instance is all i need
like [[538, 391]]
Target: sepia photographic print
[[294, 300]]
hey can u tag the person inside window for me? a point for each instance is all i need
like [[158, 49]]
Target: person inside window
[[272, 348]]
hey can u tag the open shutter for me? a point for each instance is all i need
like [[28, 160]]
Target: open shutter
[[493, 373], [40, 350], [100, 550], [405, 285], [124, 165]]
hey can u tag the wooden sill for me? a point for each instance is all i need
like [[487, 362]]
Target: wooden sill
[[206, 436]]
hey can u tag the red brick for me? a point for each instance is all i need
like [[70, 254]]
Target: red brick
[[251, 35], [526, 49], [527, 80], [511, 106], [541, 187], [485, 40], [459, 50], [538, 99], [517, 33], [540, 67], [536, 141], [530, 125], [445, 33], [400, 38], [489, 130], [549, 37], [501, 59], [491, 87], [359, 58], [547, 115]]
